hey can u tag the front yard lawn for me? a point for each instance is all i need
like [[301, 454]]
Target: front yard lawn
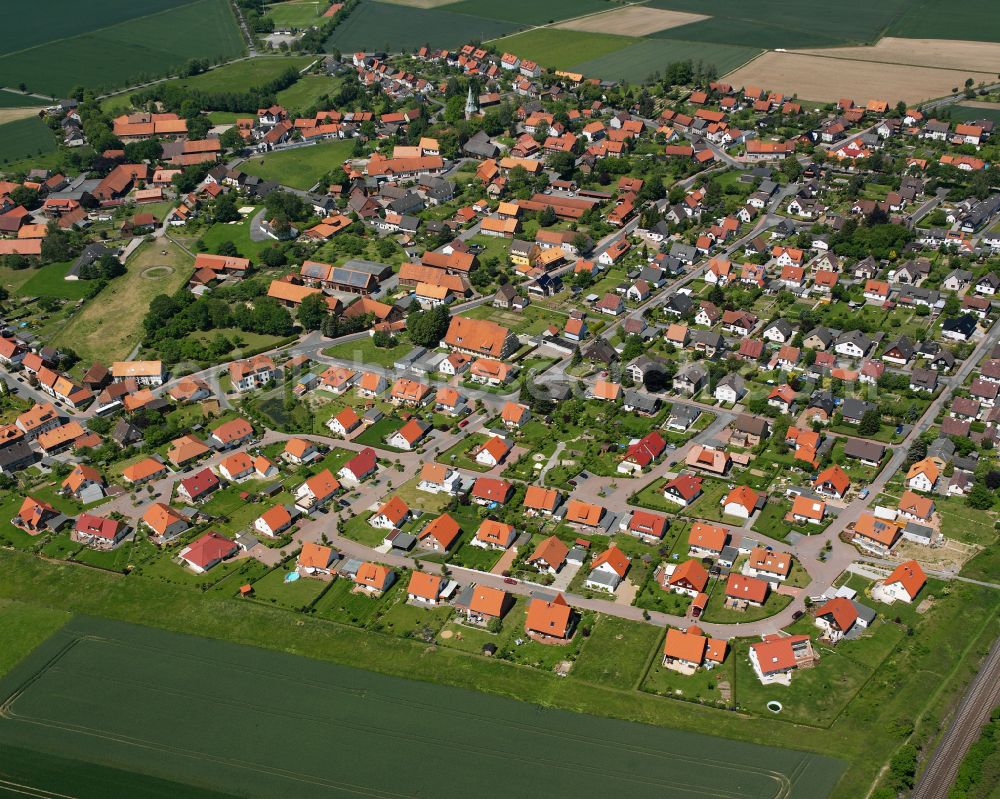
[[716, 611]]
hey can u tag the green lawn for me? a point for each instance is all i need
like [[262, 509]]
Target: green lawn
[[301, 167], [771, 521], [109, 327], [23, 627], [341, 604], [617, 652], [703, 686], [238, 233], [306, 91], [965, 524], [376, 434], [49, 281], [715, 610], [363, 351], [298, 594], [458, 454], [472, 557]]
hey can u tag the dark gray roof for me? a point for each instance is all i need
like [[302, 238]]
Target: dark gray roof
[[863, 450]]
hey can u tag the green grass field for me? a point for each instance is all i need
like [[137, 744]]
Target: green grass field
[[111, 325], [977, 20], [237, 77], [778, 23], [963, 113], [39, 23], [297, 13], [302, 167], [531, 12], [864, 729], [23, 138], [237, 232], [202, 700], [374, 25], [306, 91], [562, 49], [48, 281], [24, 772], [638, 61], [230, 77], [119, 53]]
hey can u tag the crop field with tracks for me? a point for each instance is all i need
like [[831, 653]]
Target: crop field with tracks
[[259, 723]]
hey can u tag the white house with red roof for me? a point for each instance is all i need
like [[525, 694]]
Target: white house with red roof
[[903, 584], [207, 551], [608, 570]]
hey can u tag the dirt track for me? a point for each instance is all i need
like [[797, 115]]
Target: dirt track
[[631, 21]]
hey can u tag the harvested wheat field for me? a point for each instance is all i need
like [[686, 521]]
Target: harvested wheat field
[[631, 21], [826, 79], [12, 114], [943, 53]]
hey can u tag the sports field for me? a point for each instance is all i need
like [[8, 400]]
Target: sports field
[[296, 13], [388, 26], [113, 45], [260, 723], [301, 167]]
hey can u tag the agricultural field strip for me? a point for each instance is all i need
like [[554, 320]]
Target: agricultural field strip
[[566, 24], [93, 31], [57, 664], [810, 77], [960, 56]]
